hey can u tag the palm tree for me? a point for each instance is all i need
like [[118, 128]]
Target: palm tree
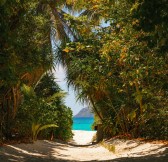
[[32, 56]]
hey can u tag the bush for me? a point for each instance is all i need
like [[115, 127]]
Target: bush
[[44, 106]]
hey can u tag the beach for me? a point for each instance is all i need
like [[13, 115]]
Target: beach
[[81, 148]]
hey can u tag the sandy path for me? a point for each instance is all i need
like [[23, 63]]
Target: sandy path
[[81, 149], [83, 137]]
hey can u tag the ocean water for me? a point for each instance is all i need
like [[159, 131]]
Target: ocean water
[[82, 124]]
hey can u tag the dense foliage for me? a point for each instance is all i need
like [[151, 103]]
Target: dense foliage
[[27, 29], [116, 58], [25, 54], [57, 112], [44, 106], [119, 64]]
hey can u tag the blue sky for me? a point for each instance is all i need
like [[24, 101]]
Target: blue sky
[[70, 99]]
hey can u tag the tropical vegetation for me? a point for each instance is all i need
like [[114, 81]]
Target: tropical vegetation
[[119, 65], [27, 29], [116, 58], [43, 108]]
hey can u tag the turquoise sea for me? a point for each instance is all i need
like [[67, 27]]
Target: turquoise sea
[[82, 124]]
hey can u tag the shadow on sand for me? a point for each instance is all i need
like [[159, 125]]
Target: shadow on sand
[[43, 151]]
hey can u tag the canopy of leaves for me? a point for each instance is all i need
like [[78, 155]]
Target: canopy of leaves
[[27, 28], [117, 61], [120, 65]]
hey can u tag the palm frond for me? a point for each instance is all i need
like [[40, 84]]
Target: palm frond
[[56, 96], [36, 128]]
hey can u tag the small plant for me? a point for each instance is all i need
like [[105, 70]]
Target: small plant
[[36, 128], [111, 148]]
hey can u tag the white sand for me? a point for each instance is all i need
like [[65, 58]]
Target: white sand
[[80, 149], [83, 137]]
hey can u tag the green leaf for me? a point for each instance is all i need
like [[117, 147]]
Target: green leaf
[[56, 96], [28, 91], [47, 126], [138, 98], [132, 115], [144, 107], [36, 128]]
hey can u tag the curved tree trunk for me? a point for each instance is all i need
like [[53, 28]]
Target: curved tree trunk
[[95, 109]]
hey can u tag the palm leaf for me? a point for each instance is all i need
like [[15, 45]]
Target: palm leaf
[[36, 128], [56, 96], [46, 126]]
